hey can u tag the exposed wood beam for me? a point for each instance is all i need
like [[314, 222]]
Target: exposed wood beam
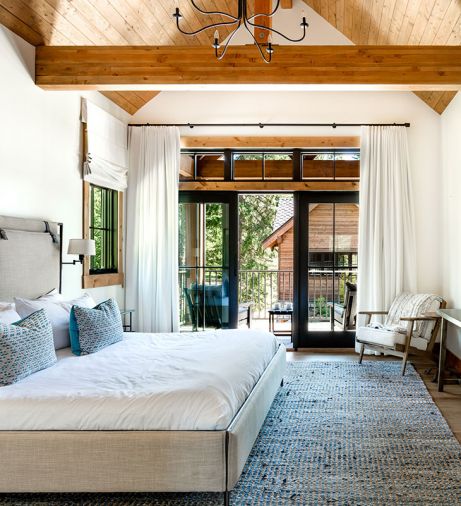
[[262, 7], [409, 22], [286, 4], [391, 67], [270, 142], [269, 185]]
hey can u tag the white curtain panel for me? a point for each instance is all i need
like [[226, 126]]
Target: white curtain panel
[[152, 228], [106, 159], [387, 251]]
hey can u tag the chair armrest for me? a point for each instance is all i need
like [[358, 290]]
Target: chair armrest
[[373, 312], [418, 318]]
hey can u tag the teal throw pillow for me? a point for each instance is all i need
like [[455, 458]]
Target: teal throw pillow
[[93, 329]]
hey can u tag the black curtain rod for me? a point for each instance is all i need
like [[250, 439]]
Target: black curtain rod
[[263, 125]]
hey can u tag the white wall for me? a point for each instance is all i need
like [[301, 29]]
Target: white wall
[[311, 107], [451, 219], [40, 150]]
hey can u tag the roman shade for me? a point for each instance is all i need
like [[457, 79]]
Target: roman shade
[[106, 157]]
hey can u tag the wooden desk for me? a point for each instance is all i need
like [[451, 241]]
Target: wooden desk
[[454, 317]]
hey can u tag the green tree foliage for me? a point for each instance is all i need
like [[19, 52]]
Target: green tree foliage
[[215, 231], [256, 219]]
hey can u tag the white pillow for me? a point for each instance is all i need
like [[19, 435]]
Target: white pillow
[[58, 313], [8, 313], [53, 295]]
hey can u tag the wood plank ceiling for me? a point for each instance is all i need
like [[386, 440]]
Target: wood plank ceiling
[[149, 22], [406, 22]]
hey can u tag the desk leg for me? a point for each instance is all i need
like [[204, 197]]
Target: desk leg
[[270, 323], [442, 354]]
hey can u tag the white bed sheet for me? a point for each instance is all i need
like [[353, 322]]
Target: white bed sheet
[[187, 381]]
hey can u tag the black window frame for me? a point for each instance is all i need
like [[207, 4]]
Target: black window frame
[[109, 230], [297, 157]]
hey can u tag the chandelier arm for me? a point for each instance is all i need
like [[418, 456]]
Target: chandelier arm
[[213, 25], [273, 30], [226, 45], [263, 56], [213, 12], [276, 8]]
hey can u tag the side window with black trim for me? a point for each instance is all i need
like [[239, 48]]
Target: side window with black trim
[[104, 229]]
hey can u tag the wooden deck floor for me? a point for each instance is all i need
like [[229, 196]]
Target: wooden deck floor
[[449, 401]]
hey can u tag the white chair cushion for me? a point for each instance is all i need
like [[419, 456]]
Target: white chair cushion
[[387, 337], [408, 304]]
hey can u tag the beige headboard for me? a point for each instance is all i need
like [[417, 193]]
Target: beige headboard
[[30, 257]]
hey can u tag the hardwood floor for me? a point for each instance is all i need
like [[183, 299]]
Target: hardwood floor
[[448, 402]]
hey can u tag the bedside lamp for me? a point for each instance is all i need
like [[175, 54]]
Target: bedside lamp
[[82, 248]]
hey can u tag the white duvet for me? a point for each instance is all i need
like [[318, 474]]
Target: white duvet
[[187, 381]]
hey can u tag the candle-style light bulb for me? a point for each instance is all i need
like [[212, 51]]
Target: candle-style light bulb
[[269, 48], [216, 44]]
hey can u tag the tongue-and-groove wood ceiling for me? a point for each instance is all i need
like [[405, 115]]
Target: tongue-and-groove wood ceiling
[[149, 22]]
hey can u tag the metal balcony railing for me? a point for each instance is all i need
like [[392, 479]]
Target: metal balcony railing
[[266, 287]]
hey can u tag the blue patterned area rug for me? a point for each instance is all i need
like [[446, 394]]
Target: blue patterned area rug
[[338, 433]]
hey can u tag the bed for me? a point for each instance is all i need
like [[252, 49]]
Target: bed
[[111, 423]]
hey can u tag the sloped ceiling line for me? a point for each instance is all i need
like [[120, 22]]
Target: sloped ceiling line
[[403, 22], [148, 22]]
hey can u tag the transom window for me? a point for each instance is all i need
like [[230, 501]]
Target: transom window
[[340, 164]]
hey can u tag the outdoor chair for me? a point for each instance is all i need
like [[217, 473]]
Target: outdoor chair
[[216, 303], [345, 314], [411, 325]]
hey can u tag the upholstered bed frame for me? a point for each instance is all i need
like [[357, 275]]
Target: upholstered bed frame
[[116, 461]]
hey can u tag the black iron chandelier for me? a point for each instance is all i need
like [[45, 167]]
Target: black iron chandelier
[[241, 20]]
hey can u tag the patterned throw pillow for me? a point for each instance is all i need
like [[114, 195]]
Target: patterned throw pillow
[[94, 329], [25, 347]]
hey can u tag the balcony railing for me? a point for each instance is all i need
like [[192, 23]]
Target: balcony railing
[[266, 287]]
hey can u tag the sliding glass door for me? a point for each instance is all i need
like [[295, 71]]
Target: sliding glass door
[[326, 266], [208, 238]]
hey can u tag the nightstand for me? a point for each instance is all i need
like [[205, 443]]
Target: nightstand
[[127, 326]]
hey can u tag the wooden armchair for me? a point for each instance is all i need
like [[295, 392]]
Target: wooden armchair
[[411, 326], [345, 314]]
